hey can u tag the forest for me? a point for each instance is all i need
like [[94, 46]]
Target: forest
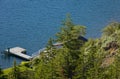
[[76, 57]]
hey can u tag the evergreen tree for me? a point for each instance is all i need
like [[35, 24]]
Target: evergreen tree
[[1, 74], [15, 72], [70, 31], [71, 44], [46, 67]]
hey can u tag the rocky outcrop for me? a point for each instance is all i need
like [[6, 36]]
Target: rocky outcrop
[[112, 49], [111, 45]]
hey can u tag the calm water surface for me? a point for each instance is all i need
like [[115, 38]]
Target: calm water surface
[[30, 23]]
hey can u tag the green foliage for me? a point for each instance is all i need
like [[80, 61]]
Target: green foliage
[[111, 28], [15, 72], [70, 31], [76, 59], [26, 64], [2, 76]]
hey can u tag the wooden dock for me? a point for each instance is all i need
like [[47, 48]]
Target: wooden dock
[[20, 52]]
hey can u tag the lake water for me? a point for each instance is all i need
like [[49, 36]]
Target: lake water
[[30, 23]]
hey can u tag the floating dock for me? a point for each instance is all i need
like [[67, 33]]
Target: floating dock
[[20, 52]]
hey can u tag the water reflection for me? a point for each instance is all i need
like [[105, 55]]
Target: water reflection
[[7, 60]]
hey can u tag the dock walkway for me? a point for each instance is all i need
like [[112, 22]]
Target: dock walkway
[[20, 52]]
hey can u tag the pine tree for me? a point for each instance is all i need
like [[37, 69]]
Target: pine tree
[[71, 44], [15, 72], [1, 74], [46, 67], [70, 31]]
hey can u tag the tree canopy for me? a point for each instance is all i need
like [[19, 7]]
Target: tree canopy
[[75, 58]]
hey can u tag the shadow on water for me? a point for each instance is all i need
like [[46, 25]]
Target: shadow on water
[[5, 55], [8, 56], [8, 59]]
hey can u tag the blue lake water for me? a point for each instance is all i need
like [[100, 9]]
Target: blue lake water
[[30, 23]]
